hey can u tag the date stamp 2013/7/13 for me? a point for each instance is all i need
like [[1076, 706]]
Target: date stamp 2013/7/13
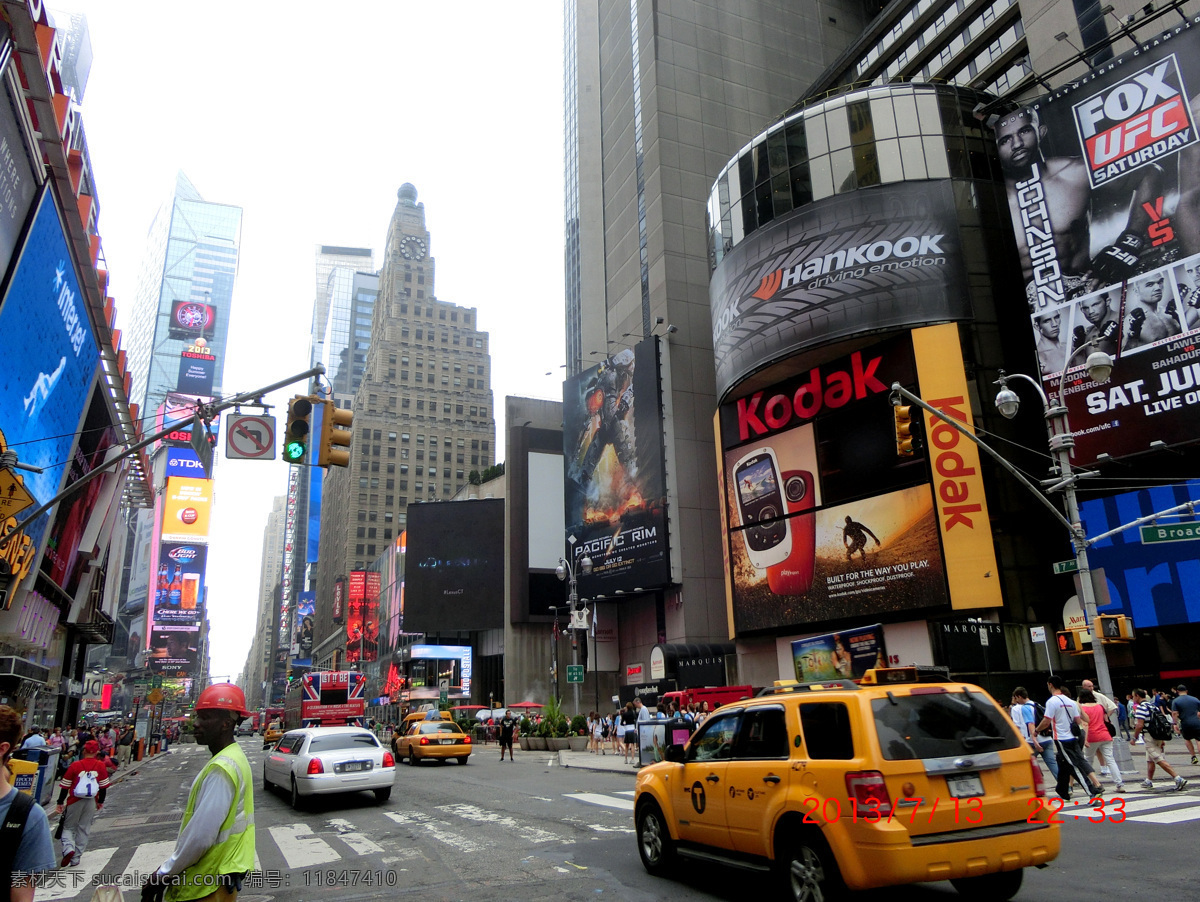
[[962, 811]]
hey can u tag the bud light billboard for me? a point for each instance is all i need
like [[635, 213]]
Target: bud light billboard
[[1103, 183], [49, 354]]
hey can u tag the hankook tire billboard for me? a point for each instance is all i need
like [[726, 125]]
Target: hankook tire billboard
[[874, 259]]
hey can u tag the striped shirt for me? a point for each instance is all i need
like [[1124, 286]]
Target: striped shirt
[[1144, 711]]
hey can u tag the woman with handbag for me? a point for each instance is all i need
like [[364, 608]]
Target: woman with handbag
[[1099, 738]]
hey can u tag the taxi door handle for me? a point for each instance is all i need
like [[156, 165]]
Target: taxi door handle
[[713, 778], [770, 778]]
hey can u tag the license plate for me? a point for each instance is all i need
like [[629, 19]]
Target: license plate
[[355, 766], [447, 742], [965, 786]]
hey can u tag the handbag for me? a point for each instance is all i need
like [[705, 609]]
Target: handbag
[[1112, 731]]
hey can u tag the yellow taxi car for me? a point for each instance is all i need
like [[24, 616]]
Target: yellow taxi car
[[905, 777], [434, 740], [272, 734]]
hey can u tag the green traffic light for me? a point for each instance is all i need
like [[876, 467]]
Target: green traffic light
[[294, 451]]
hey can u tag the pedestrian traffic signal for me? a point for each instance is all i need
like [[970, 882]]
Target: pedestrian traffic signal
[[296, 436], [902, 414], [1072, 642], [336, 434]]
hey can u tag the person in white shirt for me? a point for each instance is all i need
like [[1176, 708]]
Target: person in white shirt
[[1061, 713]]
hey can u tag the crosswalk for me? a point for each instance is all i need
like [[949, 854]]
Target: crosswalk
[[1162, 807], [323, 840]]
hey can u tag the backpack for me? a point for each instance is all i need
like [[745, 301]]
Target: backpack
[[12, 830], [1160, 726], [86, 786], [1039, 712]]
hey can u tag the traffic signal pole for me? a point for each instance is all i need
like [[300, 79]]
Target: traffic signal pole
[[205, 412]]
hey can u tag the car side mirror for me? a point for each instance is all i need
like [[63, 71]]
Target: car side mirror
[[674, 753]]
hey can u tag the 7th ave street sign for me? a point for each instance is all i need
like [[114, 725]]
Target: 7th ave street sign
[[1173, 532]]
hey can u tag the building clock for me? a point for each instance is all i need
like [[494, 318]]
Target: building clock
[[412, 248]]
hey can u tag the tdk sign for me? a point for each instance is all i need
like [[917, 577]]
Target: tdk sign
[[184, 462]]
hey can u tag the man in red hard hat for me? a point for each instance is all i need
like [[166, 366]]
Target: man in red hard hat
[[215, 848]]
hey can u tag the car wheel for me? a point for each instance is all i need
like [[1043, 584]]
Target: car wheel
[[463, 759], [267, 785], [809, 870], [297, 800], [990, 887], [382, 795], [655, 846], [412, 758]]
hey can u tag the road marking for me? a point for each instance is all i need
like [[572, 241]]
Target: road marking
[[1188, 812], [628, 793], [146, 859], [300, 848], [596, 798], [356, 841], [525, 832], [70, 882], [433, 828]]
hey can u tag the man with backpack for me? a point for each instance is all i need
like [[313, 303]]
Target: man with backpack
[[83, 788], [1027, 714], [1149, 719], [1064, 717], [26, 849]]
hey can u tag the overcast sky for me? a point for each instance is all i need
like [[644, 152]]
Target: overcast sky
[[309, 117]]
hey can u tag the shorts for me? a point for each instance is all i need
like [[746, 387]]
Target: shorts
[[1187, 731], [1155, 750], [506, 742], [631, 737]]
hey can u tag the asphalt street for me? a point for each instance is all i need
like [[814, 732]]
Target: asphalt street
[[535, 828]]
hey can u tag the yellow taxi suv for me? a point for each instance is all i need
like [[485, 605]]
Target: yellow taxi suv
[[904, 777], [272, 734]]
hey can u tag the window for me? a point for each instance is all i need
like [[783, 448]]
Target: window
[[826, 727], [371, 533], [939, 725], [361, 532], [764, 734], [714, 741], [404, 436]]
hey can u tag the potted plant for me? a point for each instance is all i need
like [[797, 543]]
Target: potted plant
[[579, 737], [557, 738], [525, 728], [540, 737]]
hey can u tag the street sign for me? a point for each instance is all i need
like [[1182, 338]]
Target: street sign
[[983, 635], [156, 682], [14, 497], [574, 673], [443, 691], [1037, 634], [155, 696], [1172, 532], [249, 437], [1071, 566]]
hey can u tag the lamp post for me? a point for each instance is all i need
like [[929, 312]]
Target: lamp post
[[565, 570], [1099, 367]]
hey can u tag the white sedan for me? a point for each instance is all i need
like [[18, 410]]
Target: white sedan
[[322, 760]]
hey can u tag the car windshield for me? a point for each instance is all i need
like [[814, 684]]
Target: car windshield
[[342, 741], [939, 725], [442, 727]]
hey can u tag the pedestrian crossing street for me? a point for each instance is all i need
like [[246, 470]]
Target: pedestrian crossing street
[[326, 840]]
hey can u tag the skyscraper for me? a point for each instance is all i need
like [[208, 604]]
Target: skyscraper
[[184, 291], [658, 97], [423, 414], [333, 335], [258, 661]]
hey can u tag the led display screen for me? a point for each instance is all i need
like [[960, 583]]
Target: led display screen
[[454, 568]]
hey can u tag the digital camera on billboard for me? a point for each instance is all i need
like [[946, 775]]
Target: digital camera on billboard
[[794, 576], [761, 508]]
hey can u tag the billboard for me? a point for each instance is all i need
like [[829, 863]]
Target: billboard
[[49, 355], [184, 462], [362, 616], [191, 319], [846, 655], [179, 585], [1157, 584], [302, 646], [454, 570], [187, 505], [823, 521], [870, 260], [615, 491], [1103, 181], [181, 408], [197, 370], [17, 184], [429, 663], [174, 648]]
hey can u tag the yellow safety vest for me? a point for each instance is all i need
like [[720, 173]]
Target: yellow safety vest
[[233, 852]]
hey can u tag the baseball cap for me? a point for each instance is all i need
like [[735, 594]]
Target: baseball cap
[[91, 747]]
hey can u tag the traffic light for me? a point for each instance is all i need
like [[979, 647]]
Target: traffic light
[[335, 436], [1115, 628], [296, 437], [1071, 642], [902, 414]]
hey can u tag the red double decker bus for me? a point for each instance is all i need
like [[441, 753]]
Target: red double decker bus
[[326, 698]]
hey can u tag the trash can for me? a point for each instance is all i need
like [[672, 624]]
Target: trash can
[[46, 761]]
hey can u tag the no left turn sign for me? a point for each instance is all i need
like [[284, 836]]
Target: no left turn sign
[[249, 437]]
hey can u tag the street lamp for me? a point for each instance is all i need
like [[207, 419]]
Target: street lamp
[[1099, 367], [563, 571]]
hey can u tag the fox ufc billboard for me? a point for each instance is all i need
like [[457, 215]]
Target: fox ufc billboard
[[1103, 182]]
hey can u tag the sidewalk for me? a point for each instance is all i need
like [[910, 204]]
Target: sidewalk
[[125, 773], [579, 760]]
